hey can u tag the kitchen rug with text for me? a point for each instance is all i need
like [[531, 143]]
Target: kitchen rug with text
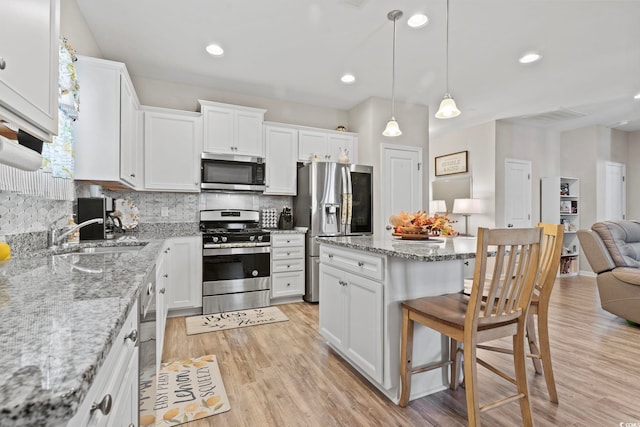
[[186, 390], [234, 319]]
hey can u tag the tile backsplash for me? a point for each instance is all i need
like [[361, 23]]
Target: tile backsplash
[[21, 214]]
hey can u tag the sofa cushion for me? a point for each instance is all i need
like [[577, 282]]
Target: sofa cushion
[[627, 275], [622, 239]]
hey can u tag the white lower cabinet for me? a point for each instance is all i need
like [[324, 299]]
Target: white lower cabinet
[[162, 283], [287, 265], [351, 317], [185, 273], [112, 400]]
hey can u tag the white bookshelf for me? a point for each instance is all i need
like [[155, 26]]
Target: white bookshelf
[[560, 204]]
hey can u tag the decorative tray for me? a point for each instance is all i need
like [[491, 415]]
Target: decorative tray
[[412, 236]]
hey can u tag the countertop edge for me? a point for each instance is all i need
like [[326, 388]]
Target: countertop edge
[[377, 249]]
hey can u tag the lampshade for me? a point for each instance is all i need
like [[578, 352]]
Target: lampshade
[[466, 206], [392, 128], [437, 206], [448, 108]]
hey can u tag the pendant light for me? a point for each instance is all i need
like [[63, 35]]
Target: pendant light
[[392, 128], [448, 108]]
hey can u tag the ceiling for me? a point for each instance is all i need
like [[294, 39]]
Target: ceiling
[[297, 51]]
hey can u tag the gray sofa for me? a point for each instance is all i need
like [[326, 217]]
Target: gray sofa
[[613, 251]]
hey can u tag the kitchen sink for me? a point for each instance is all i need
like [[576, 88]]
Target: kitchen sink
[[110, 249]]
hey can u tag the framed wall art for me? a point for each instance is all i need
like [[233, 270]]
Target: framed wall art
[[450, 164]]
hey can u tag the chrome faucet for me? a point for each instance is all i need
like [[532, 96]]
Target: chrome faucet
[[53, 239]]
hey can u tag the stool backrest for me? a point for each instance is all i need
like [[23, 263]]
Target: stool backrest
[[510, 283], [551, 249]]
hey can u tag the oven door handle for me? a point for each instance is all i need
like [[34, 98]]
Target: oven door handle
[[236, 251]]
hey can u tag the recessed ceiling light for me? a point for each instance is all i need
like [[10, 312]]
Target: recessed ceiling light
[[530, 57], [637, 96], [418, 20], [348, 78], [215, 50]]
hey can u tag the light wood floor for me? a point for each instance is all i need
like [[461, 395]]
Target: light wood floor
[[283, 374]]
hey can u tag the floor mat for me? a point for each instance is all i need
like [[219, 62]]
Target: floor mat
[[186, 390], [234, 319]]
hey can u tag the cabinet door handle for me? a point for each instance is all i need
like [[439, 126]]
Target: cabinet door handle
[[3, 63], [132, 175], [288, 284], [163, 290], [288, 253], [360, 263], [165, 275], [466, 263], [133, 336], [104, 406], [342, 283], [330, 255]]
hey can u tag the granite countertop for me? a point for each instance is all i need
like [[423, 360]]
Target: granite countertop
[[433, 249], [276, 231], [59, 314]]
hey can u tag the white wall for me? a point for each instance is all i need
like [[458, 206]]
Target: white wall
[[165, 94], [369, 119], [539, 146], [479, 141], [633, 175], [75, 29]]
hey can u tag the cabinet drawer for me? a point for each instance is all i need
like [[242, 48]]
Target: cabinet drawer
[[287, 253], [365, 264], [281, 266], [287, 240], [287, 284]]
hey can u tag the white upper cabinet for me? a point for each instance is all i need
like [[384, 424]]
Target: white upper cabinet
[[107, 148], [281, 148], [232, 129], [130, 146], [172, 147], [29, 59], [326, 145]]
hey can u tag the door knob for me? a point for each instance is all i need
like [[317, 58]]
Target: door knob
[[510, 225]]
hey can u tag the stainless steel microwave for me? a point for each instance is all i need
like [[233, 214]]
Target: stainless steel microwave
[[229, 172]]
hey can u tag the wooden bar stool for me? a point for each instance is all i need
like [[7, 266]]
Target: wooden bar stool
[[470, 320], [540, 350]]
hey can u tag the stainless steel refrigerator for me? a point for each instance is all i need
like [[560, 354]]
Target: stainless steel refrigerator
[[333, 199]]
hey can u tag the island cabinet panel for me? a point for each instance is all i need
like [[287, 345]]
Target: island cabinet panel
[[351, 317], [363, 282]]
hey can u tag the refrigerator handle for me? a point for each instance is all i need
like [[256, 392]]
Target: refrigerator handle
[[344, 197], [349, 198]]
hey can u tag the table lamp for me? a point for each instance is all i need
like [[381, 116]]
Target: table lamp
[[466, 207], [437, 206]]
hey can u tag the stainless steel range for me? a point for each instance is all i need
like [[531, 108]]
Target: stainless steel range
[[236, 265]]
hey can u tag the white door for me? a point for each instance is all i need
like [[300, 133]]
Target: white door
[[517, 196], [614, 191], [401, 181]]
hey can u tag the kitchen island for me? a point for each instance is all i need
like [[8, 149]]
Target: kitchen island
[[61, 312], [363, 280]]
